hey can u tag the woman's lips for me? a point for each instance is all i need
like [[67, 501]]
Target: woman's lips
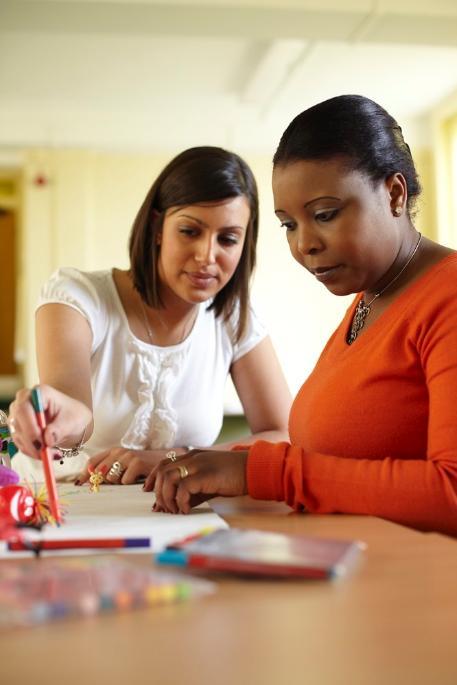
[[201, 280], [325, 273]]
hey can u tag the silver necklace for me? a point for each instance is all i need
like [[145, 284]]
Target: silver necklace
[[364, 308], [185, 328]]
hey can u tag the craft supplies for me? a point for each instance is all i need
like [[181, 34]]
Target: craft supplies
[[32, 543], [20, 504], [46, 458], [8, 476], [262, 553], [35, 592], [7, 447], [96, 478]]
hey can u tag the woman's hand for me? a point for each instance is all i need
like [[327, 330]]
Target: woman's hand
[[66, 421], [196, 477], [134, 465]]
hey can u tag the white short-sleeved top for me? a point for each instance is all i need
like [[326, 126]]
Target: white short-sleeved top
[[146, 396]]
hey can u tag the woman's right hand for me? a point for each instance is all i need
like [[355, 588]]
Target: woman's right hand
[[133, 464], [66, 420]]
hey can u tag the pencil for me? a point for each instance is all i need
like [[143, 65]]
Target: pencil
[[46, 458], [91, 543]]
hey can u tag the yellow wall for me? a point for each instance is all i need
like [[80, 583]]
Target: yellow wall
[[444, 122], [82, 216], [425, 219]]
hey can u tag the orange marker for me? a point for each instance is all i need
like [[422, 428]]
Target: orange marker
[[46, 458]]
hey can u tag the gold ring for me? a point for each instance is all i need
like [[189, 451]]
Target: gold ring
[[183, 472], [116, 470], [171, 455]]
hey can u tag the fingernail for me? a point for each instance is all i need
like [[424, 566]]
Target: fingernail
[[103, 469], [37, 444]]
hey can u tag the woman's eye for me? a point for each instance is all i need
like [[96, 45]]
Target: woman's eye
[[326, 215], [188, 230], [228, 239], [288, 225]]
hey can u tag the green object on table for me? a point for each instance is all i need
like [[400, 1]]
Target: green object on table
[[7, 445]]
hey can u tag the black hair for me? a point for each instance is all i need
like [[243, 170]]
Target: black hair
[[357, 130]]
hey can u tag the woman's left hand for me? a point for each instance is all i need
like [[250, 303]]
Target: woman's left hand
[[195, 477]]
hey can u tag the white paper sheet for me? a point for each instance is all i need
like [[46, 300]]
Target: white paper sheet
[[120, 511]]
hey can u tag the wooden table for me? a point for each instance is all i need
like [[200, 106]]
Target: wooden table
[[392, 621]]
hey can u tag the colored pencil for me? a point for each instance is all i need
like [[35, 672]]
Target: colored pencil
[[46, 458], [90, 543]]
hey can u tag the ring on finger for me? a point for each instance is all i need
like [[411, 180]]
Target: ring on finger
[[116, 470], [183, 472], [171, 455]]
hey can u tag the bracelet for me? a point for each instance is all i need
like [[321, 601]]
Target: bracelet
[[72, 451]]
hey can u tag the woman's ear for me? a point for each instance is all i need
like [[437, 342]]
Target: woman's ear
[[398, 193], [159, 238]]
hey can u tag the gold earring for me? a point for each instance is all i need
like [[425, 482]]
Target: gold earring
[[397, 211]]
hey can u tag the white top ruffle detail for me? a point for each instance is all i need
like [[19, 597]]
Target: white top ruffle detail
[[155, 421]]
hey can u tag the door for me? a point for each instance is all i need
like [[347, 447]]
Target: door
[[7, 293]]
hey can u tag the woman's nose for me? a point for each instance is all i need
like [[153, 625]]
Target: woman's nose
[[307, 241], [205, 252]]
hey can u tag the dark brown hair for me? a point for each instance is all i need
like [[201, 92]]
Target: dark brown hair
[[197, 175]]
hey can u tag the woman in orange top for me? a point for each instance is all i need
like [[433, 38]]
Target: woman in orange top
[[373, 430]]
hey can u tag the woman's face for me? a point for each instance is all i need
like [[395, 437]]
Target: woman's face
[[338, 224], [200, 247]]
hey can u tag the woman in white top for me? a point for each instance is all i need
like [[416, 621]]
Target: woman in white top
[[133, 363]]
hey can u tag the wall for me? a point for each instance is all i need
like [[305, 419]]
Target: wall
[[78, 209], [444, 122], [425, 219]]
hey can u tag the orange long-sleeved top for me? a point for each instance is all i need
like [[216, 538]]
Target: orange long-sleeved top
[[373, 430]]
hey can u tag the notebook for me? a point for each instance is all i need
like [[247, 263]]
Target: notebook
[[263, 553], [116, 517]]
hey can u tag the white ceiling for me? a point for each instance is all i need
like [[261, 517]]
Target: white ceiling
[[162, 75]]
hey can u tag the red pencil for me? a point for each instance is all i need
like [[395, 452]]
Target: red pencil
[[46, 458], [95, 543]]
